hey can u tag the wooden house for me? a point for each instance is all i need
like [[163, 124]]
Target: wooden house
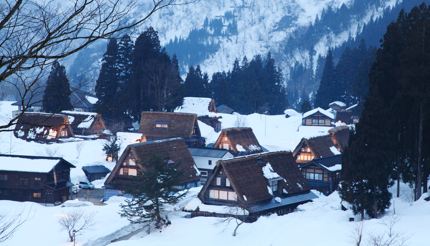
[[197, 105], [42, 127], [80, 100], [212, 121], [260, 184], [355, 111], [323, 174], [224, 109], [337, 106], [206, 159], [95, 172], [136, 158], [86, 123], [163, 125], [318, 117], [34, 178], [322, 146], [239, 141]]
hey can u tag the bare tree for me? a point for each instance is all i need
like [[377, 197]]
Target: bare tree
[[238, 216], [75, 222], [390, 237], [357, 234], [35, 33], [8, 226]]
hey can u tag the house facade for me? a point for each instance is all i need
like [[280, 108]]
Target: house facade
[[86, 123], [318, 117], [260, 184], [323, 174], [42, 127], [34, 178], [137, 157], [239, 141], [164, 125], [206, 159]]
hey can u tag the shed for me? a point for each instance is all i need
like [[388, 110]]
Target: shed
[[95, 172], [86, 123]]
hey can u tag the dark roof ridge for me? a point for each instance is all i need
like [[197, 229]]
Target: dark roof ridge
[[166, 140], [256, 155], [168, 113]]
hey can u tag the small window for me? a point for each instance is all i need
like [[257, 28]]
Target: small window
[[218, 181], [314, 122], [213, 194], [223, 195], [131, 162], [227, 183], [161, 124], [3, 177], [132, 172], [232, 196], [37, 179], [37, 195], [204, 173], [210, 162]]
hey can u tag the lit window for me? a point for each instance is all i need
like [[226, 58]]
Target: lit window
[[213, 194], [223, 195], [232, 196], [132, 172], [37, 195], [52, 133], [37, 179], [161, 125], [218, 181], [227, 183], [131, 162]]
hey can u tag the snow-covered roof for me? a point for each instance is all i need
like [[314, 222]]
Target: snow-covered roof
[[291, 112], [28, 164], [92, 100], [334, 150], [338, 103], [208, 152], [351, 107], [86, 119], [195, 105], [334, 168], [269, 173], [320, 110]]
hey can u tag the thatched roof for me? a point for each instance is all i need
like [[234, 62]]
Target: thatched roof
[[179, 125], [327, 145], [36, 126], [248, 178], [169, 149], [241, 139]]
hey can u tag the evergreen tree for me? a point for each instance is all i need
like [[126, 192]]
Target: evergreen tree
[[305, 105], [220, 88], [124, 71], [196, 83], [107, 84], [57, 92], [151, 191], [155, 83], [325, 94]]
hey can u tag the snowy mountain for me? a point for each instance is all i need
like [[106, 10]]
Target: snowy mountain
[[215, 33]]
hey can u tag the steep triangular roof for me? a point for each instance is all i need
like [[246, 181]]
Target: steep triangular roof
[[242, 139], [248, 177], [179, 125], [168, 149]]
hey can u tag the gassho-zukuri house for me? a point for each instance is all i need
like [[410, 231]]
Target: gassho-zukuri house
[[137, 157], [164, 125], [258, 184]]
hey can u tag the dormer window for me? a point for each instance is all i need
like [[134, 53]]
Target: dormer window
[[273, 184], [161, 124], [272, 177]]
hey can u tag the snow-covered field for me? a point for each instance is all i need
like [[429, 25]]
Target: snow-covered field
[[321, 222]]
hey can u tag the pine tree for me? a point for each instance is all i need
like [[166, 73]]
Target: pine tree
[[325, 94], [196, 83], [124, 71], [57, 92], [151, 191], [107, 84], [305, 105]]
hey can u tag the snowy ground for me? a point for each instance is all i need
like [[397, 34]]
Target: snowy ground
[[321, 222]]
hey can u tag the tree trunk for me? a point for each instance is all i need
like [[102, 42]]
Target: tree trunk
[[398, 186], [419, 183]]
